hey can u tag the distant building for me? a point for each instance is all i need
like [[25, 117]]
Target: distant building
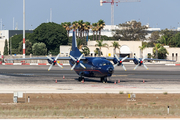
[[7, 34]]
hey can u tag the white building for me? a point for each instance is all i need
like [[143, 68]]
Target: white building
[[7, 34]]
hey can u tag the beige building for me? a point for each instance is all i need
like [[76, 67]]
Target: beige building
[[173, 53], [129, 48]]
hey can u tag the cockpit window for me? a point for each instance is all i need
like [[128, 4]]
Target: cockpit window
[[104, 64]]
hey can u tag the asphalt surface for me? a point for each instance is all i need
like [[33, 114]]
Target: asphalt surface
[[37, 79], [40, 75]]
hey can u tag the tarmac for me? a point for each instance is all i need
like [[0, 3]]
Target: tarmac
[[159, 78]]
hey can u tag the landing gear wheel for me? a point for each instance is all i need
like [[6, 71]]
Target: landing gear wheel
[[81, 79], [104, 80]]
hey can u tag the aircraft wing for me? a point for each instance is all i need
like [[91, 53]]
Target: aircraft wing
[[111, 58], [42, 58]]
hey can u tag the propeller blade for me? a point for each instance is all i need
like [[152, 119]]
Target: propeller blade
[[73, 66], [136, 66], [116, 57], [49, 58], [145, 66], [57, 57], [82, 65], [59, 65], [143, 58], [80, 57], [115, 65], [72, 58], [123, 67], [50, 67], [124, 58], [137, 58]]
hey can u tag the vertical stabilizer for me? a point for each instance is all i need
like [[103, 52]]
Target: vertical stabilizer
[[75, 51]]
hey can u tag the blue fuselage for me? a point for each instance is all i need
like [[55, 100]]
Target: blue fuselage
[[95, 67]]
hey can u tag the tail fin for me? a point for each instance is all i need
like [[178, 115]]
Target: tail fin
[[75, 51]]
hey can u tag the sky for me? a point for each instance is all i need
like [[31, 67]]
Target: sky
[[158, 13]]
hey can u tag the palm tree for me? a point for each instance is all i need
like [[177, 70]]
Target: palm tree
[[101, 25], [93, 27], [101, 44], [87, 27], [115, 45], [79, 43], [141, 49], [156, 48], [75, 26], [96, 29], [67, 26], [80, 28]]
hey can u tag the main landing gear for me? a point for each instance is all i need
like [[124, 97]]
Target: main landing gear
[[104, 79], [81, 78]]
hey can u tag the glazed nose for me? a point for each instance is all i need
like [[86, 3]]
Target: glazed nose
[[110, 70]]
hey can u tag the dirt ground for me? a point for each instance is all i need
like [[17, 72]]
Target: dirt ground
[[90, 106]]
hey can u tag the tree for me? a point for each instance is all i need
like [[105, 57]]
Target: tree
[[100, 44], [6, 48], [101, 25], [80, 43], [115, 45], [16, 39], [96, 51], [85, 50], [130, 31], [28, 47], [52, 34], [141, 49], [160, 51], [175, 41], [39, 49], [166, 37], [74, 26], [93, 27], [80, 28], [154, 36], [87, 27], [67, 26]]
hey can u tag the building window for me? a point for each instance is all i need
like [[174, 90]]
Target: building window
[[172, 56], [176, 56]]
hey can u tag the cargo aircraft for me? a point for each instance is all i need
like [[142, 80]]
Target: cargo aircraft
[[98, 67]]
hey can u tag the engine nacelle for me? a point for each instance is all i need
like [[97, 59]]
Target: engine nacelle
[[50, 62], [115, 61], [135, 61]]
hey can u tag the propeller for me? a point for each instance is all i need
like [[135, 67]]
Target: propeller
[[140, 62], [77, 62], [53, 62], [119, 62]]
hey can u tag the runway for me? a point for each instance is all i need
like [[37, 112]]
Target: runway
[[159, 78]]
